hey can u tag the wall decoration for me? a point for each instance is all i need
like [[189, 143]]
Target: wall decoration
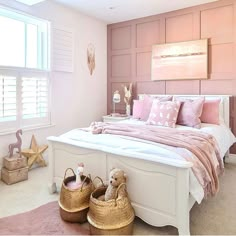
[[184, 60], [16, 145], [91, 58], [127, 98], [34, 153]]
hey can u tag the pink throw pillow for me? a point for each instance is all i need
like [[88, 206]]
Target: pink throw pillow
[[164, 113], [190, 112], [210, 112], [147, 105], [137, 109]]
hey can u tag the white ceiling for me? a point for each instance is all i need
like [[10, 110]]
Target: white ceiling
[[112, 11]]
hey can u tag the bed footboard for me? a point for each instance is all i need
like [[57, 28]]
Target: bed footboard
[[62, 156], [159, 193]]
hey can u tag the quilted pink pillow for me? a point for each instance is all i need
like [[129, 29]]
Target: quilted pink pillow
[[137, 109], [190, 112], [147, 105], [164, 113], [210, 112]]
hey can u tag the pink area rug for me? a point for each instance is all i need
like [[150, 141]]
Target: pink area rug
[[44, 220]]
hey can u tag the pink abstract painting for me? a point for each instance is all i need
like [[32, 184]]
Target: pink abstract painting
[[184, 60]]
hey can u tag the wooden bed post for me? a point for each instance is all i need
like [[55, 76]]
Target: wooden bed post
[[182, 204], [51, 183]]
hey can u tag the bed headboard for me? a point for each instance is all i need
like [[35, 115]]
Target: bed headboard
[[224, 104]]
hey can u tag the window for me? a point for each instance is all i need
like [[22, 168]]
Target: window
[[24, 66], [24, 37]]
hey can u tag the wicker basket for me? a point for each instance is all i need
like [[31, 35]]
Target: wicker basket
[[74, 203], [14, 176], [111, 217], [15, 162], [74, 217]]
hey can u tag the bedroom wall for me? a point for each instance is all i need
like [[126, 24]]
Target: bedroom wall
[[75, 96], [129, 51]]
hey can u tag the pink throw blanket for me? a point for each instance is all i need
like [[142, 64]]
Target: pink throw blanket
[[208, 163]]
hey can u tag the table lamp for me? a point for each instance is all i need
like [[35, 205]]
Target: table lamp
[[116, 99]]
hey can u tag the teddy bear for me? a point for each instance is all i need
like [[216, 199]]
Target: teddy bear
[[116, 177]]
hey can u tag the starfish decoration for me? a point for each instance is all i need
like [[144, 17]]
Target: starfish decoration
[[34, 153]]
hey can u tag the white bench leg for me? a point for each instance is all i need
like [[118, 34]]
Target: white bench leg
[[183, 202], [52, 188], [183, 227]]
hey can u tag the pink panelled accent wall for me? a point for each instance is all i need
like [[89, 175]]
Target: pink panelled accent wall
[[130, 44]]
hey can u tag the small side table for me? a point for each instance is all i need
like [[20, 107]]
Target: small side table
[[110, 118]]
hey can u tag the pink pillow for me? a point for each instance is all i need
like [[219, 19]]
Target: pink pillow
[[147, 105], [210, 112], [164, 113], [137, 109], [190, 112]]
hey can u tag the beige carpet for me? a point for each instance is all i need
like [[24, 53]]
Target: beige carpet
[[214, 216], [217, 215]]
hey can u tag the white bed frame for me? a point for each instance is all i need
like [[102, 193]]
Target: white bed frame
[[159, 192]]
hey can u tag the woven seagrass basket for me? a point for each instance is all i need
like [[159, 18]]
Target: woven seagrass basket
[[113, 217], [74, 203]]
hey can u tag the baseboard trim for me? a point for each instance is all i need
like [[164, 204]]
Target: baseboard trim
[[231, 159]]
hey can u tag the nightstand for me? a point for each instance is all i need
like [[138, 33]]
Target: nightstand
[[109, 118]]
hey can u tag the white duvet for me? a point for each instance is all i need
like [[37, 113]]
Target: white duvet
[[147, 150]]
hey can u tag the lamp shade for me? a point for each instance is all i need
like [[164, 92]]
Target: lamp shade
[[116, 97]]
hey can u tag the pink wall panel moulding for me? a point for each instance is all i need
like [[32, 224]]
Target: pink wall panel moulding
[[179, 28], [157, 87], [218, 24], [143, 64], [148, 33], [218, 87], [121, 65], [183, 87], [130, 43], [121, 38], [221, 58]]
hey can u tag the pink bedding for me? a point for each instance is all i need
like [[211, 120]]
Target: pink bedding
[[207, 164]]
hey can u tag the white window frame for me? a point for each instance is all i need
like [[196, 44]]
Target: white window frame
[[19, 72], [45, 65]]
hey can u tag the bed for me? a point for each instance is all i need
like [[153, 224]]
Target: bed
[[162, 191]]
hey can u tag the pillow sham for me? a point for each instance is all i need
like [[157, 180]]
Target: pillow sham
[[164, 113], [210, 112], [147, 105], [137, 108], [190, 112]]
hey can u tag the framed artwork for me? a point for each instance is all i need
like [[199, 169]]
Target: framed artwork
[[184, 60]]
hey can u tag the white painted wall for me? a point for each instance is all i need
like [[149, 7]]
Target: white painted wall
[[77, 98]]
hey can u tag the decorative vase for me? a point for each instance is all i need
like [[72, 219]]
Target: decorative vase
[[128, 112]]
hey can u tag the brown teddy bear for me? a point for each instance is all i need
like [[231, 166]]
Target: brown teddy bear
[[116, 177]]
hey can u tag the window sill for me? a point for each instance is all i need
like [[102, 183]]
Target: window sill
[[28, 129]]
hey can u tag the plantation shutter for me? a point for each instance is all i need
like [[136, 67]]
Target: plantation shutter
[[7, 98], [8, 102], [34, 100]]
